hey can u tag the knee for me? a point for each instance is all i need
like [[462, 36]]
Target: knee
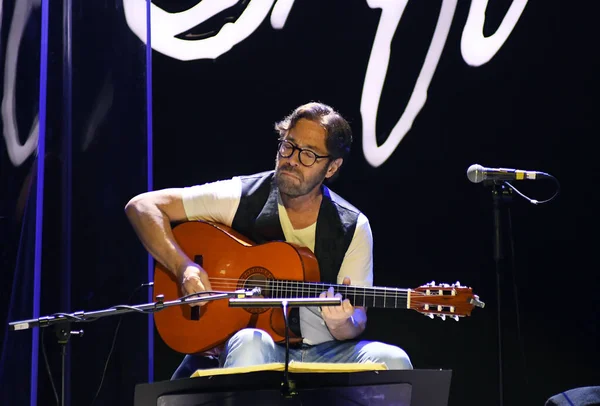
[[393, 357], [250, 340]]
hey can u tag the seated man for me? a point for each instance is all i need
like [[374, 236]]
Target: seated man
[[292, 204]]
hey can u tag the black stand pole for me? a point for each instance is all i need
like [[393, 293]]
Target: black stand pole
[[288, 387], [63, 333], [501, 194]]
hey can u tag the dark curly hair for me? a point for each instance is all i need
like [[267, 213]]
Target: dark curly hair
[[338, 131]]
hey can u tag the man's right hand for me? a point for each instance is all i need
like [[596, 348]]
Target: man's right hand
[[194, 279]]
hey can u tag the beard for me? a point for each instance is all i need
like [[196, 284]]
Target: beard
[[299, 185]]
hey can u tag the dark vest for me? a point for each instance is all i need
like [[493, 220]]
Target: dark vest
[[257, 218]]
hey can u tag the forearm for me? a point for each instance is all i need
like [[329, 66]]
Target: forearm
[[153, 228], [349, 328]]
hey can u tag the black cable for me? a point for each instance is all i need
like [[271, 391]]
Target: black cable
[[48, 367], [71, 317], [114, 340], [206, 292]]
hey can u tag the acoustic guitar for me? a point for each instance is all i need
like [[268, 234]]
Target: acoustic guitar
[[280, 270]]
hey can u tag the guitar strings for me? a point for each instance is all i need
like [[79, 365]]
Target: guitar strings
[[315, 287], [284, 286]]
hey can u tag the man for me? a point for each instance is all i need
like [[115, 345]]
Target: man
[[289, 203]]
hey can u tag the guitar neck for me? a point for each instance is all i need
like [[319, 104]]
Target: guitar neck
[[359, 296]]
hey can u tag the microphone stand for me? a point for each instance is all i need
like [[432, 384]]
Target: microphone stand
[[63, 332], [62, 321], [501, 194], [288, 387]]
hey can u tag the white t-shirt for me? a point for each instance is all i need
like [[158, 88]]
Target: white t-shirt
[[218, 202]]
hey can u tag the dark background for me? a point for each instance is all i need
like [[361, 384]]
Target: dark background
[[530, 107]]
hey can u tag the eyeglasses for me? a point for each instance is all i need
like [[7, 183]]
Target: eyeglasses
[[306, 156]]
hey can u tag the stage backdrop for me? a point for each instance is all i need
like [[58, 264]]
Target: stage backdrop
[[430, 87]]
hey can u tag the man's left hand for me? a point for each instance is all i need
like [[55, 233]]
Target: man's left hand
[[335, 316]]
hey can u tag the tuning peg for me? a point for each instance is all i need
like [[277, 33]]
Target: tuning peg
[[442, 316], [457, 284], [455, 318], [476, 302], [429, 315]]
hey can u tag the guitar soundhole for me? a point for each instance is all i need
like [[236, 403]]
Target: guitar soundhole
[[256, 277]]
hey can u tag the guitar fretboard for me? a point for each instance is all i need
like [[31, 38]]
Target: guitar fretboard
[[359, 296]]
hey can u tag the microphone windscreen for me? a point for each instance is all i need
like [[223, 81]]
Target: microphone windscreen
[[475, 173]]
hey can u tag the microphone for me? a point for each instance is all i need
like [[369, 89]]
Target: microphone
[[477, 173]]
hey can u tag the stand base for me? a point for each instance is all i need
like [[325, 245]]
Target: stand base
[[401, 388]]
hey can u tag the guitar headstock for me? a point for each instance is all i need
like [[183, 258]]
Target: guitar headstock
[[444, 300]]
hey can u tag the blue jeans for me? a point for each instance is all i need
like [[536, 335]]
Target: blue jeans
[[252, 347]]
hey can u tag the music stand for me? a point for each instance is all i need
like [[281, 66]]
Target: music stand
[[375, 388]]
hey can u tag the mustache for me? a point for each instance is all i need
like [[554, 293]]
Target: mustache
[[290, 169]]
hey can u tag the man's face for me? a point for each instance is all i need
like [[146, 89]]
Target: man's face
[[296, 179]]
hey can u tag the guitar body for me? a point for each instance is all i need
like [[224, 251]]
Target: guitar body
[[232, 262]]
